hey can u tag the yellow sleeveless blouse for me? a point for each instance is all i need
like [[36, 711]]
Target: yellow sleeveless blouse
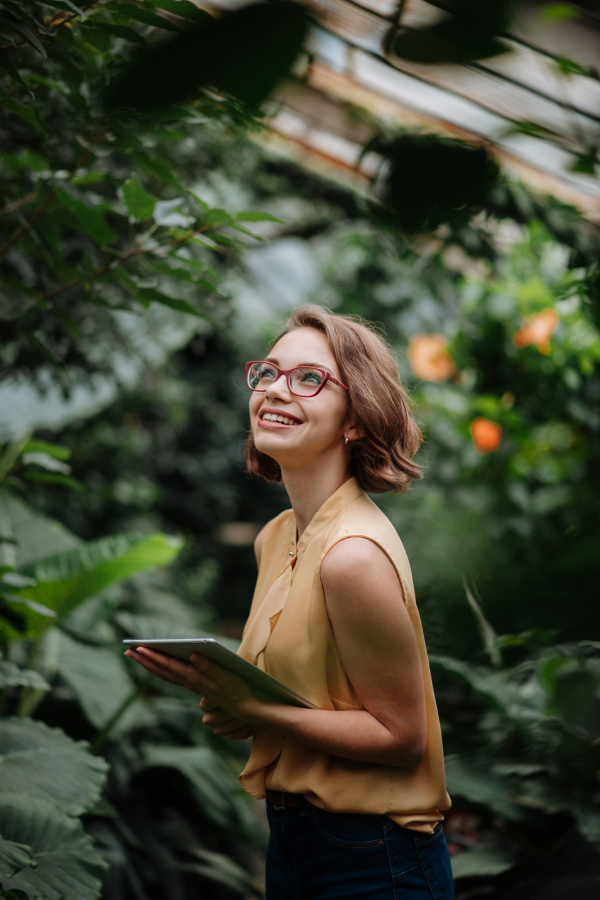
[[288, 635]]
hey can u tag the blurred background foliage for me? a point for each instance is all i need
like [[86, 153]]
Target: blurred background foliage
[[148, 250]]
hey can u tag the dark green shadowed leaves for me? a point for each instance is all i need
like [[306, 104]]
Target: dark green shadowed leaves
[[469, 31], [244, 55], [433, 180]]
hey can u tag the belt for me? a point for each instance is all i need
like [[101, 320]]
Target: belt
[[281, 799]]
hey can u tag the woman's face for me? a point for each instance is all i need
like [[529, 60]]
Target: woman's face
[[318, 424]]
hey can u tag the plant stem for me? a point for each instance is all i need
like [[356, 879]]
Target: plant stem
[[103, 735], [29, 697]]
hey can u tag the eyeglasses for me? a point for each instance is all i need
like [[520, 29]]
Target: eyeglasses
[[303, 381]]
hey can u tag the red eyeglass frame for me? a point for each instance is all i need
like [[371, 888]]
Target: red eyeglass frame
[[287, 372]]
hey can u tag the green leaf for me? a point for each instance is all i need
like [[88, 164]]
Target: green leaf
[[14, 857], [91, 219], [219, 217], [468, 33], [175, 272], [121, 31], [569, 67], [223, 870], [8, 63], [37, 535], [149, 295], [64, 480], [475, 782], [244, 53], [156, 166], [137, 200], [481, 861], [67, 5], [24, 112], [13, 600], [256, 216], [66, 579], [47, 763], [183, 8], [99, 680], [559, 12], [55, 450], [209, 776], [142, 15], [68, 865], [586, 163], [12, 676], [492, 686], [45, 461], [26, 33]]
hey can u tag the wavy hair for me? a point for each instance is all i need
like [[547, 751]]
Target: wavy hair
[[381, 460]]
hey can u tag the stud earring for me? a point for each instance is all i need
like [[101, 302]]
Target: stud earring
[[345, 440]]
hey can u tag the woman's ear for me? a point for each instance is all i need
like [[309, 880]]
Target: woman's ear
[[353, 432]]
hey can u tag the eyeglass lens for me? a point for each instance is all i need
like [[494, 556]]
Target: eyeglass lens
[[303, 381]]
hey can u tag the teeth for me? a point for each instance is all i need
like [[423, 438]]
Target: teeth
[[271, 417]]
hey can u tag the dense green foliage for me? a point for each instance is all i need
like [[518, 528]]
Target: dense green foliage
[[108, 216]]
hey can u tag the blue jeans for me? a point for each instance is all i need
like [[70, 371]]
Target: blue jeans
[[318, 855]]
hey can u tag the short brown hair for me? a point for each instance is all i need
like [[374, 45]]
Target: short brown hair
[[381, 460]]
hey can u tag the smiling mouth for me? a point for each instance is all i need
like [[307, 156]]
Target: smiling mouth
[[279, 419]]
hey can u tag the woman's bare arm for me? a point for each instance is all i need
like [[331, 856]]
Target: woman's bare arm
[[378, 649]]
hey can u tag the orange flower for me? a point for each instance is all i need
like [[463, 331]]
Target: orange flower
[[486, 435], [429, 358], [537, 330]]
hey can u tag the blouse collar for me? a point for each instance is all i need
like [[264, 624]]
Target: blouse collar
[[334, 504]]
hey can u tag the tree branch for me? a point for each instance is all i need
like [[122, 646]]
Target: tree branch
[[17, 204]]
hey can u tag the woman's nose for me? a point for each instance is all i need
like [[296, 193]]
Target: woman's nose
[[278, 388]]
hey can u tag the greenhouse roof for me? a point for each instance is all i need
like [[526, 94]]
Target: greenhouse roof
[[540, 122]]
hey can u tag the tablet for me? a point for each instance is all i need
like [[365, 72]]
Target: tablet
[[261, 684]]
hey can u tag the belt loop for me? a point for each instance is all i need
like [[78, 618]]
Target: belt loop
[[303, 806], [282, 795]]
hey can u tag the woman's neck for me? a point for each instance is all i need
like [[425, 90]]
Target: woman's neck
[[308, 489]]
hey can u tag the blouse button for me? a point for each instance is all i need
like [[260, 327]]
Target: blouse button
[[291, 552]]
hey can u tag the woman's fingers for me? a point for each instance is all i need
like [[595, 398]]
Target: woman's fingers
[[240, 734], [171, 670], [165, 663], [151, 666], [218, 717], [207, 706]]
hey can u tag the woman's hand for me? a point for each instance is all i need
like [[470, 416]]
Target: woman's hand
[[223, 690], [223, 723]]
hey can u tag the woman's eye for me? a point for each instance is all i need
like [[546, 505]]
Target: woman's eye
[[266, 372], [310, 376]]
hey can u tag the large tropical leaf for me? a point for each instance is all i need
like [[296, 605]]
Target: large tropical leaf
[[44, 761], [496, 688], [14, 857], [12, 676], [100, 681], [481, 861], [36, 536], [68, 865], [66, 579], [220, 868], [212, 781], [477, 783]]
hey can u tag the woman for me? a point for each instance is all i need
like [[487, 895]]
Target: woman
[[354, 788]]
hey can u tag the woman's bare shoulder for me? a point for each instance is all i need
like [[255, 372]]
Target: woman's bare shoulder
[[355, 560]]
